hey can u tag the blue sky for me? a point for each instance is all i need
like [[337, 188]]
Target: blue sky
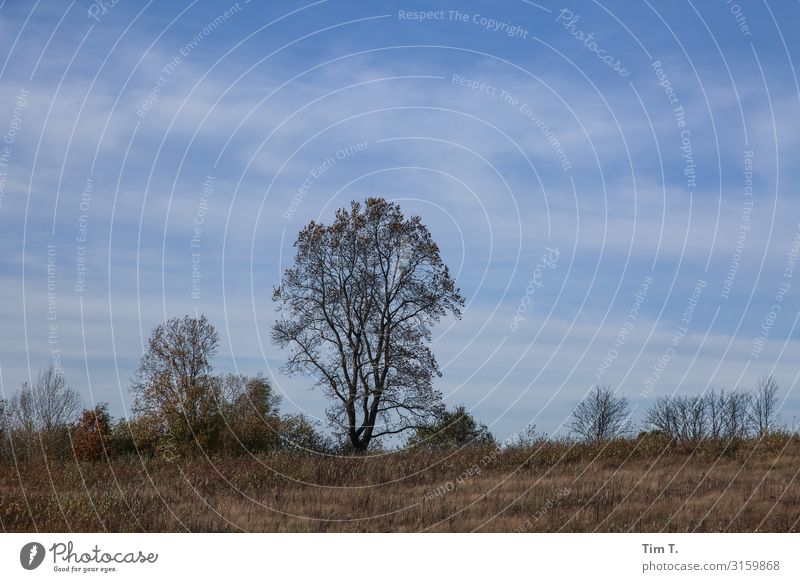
[[566, 157]]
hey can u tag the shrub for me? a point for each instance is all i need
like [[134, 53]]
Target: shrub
[[250, 412], [451, 430], [297, 432], [90, 434]]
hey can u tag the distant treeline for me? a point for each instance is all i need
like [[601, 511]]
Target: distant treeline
[[182, 407], [236, 414], [713, 415]]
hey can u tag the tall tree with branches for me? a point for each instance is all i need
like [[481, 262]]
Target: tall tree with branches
[[357, 308]]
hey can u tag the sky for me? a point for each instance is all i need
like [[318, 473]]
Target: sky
[[613, 185]]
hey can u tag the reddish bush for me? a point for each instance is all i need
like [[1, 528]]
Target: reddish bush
[[89, 436]]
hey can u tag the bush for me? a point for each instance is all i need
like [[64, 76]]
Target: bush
[[250, 412], [452, 430], [90, 434], [297, 432], [143, 436]]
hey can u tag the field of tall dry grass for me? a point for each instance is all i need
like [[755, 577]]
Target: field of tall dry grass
[[627, 485]]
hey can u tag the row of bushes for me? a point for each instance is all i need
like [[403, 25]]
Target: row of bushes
[[243, 417]]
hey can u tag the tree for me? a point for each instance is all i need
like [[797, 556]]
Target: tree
[[357, 309], [90, 435], [45, 408], [763, 413], [601, 415], [737, 405], [452, 430], [691, 411], [22, 421], [716, 409], [55, 404], [174, 385]]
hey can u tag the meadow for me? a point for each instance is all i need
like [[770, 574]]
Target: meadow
[[645, 484]]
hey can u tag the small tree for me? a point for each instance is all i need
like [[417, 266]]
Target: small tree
[[357, 310], [90, 435], [692, 415], [43, 410], [56, 405], [22, 421], [174, 385], [736, 414], [452, 430], [763, 413], [601, 415], [716, 407]]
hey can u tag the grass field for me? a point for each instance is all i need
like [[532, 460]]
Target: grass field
[[626, 485]]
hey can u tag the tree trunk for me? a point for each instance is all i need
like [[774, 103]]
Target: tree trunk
[[360, 445]]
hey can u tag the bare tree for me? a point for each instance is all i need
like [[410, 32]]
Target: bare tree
[[691, 412], [601, 415], [763, 413], [715, 415], [174, 385], [662, 417], [44, 409], [357, 310], [21, 412], [55, 404], [716, 407], [687, 418], [736, 414]]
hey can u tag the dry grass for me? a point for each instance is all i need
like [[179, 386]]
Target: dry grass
[[625, 486]]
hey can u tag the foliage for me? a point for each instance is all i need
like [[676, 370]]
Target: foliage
[[250, 411], [453, 429], [297, 433], [174, 385], [90, 434]]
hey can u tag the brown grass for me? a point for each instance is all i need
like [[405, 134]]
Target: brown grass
[[623, 486]]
